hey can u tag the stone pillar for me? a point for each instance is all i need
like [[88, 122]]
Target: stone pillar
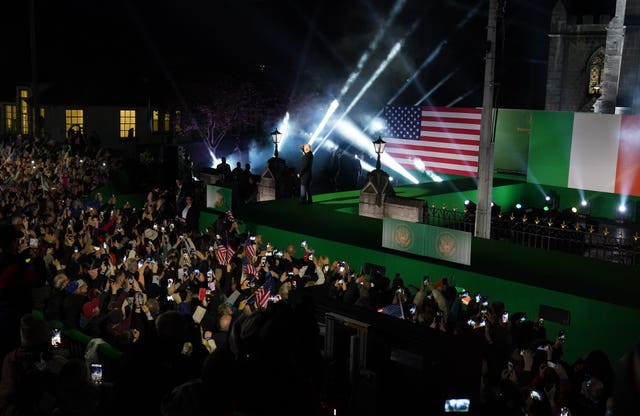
[[374, 193], [607, 101]]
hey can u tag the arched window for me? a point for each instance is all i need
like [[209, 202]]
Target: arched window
[[596, 70]]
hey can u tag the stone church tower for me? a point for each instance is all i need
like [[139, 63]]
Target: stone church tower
[[594, 60]]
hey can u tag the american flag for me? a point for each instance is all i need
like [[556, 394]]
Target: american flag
[[444, 140], [394, 309], [224, 254], [263, 293], [249, 249], [249, 269]]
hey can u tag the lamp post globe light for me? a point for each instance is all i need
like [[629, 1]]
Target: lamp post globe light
[[379, 146], [275, 136]]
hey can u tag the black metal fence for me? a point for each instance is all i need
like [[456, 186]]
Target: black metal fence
[[612, 242]]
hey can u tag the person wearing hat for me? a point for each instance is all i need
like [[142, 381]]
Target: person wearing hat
[[306, 167], [73, 302]]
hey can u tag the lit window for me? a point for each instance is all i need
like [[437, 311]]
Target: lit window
[[167, 122], [596, 70], [73, 121], [127, 124], [178, 121], [155, 128], [24, 111], [10, 120]]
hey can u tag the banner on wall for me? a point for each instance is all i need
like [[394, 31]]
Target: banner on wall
[[427, 240], [218, 198]]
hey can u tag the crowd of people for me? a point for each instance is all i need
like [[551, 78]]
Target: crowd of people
[[204, 318]]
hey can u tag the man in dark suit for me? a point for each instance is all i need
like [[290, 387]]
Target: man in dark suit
[[305, 174], [190, 216]]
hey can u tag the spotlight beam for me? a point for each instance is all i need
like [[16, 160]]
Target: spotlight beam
[[284, 129], [436, 87], [462, 97], [373, 45], [424, 64], [358, 139], [332, 108]]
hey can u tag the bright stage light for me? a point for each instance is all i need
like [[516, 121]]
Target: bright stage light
[[584, 203], [547, 198], [546, 208], [466, 202], [574, 210], [332, 108], [622, 208], [214, 159], [357, 138], [377, 125], [518, 205], [434, 177]]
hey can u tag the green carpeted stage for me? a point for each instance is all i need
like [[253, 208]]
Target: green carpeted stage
[[601, 297]]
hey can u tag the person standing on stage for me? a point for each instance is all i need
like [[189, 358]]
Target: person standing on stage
[[306, 167]]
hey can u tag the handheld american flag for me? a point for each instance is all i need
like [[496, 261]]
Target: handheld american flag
[[446, 140], [249, 269], [249, 249], [263, 293], [224, 254], [394, 309]]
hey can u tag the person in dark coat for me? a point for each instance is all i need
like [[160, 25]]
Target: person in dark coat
[[305, 174]]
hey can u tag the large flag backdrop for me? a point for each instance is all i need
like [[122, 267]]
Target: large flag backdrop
[[596, 152], [446, 140], [586, 151]]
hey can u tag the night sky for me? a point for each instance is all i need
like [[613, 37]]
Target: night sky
[[301, 47]]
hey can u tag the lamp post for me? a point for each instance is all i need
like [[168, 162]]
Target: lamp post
[[275, 136], [379, 146]]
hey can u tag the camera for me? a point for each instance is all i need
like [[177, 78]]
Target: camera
[[252, 238], [196, 272], [56, 338], [210, 248], [162, 229], [263, 261], [310, 257], [426, 281], [341, 266], [303, 244], [96, 373]]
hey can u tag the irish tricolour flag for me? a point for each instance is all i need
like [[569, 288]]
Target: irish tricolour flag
[[597, 152]]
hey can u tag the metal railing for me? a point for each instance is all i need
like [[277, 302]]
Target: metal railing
[[612, 242]]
